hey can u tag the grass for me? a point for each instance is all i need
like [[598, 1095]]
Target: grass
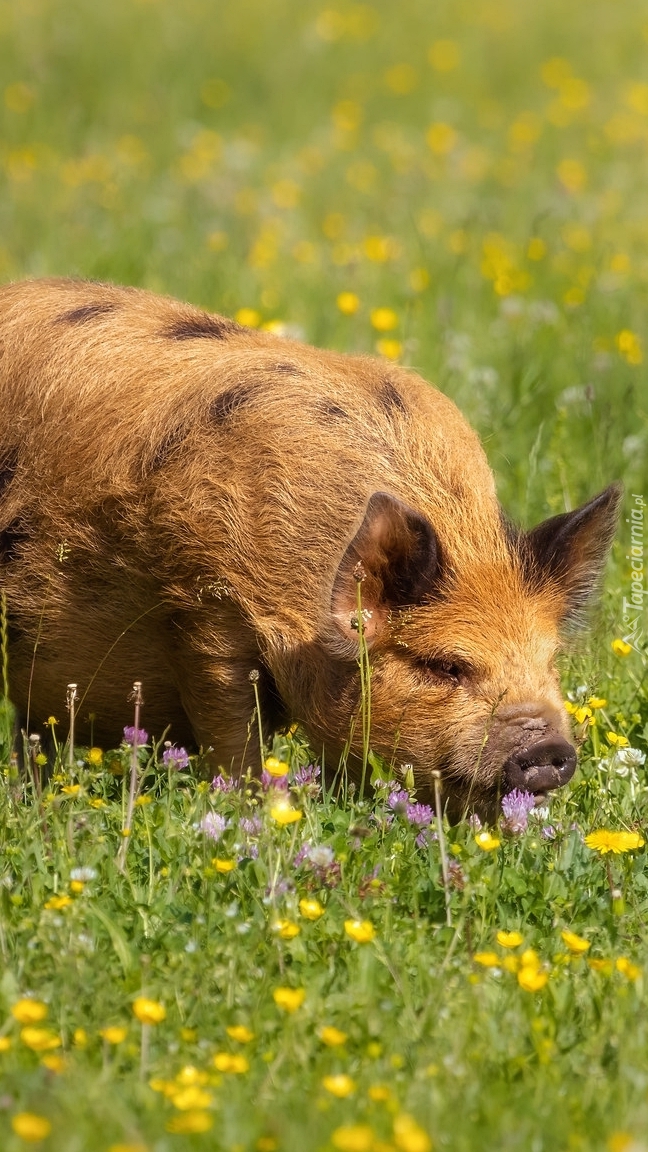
[[464, 190]]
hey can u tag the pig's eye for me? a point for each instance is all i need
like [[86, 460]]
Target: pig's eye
[[448, 670]]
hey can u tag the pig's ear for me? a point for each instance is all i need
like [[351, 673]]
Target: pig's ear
[[571, 549], [396, 556]]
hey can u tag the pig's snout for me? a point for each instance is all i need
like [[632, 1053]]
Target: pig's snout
[[541, 766]]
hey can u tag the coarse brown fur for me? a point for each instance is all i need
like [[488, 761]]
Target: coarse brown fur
[[183, 500]]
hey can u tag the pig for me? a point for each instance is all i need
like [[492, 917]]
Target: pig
[[186, 502]]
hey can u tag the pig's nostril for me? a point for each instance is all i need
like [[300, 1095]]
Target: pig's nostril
[[541, 766]]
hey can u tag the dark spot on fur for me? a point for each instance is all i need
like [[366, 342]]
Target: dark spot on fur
[[87, 312], [229, 402], [8, 465], [166, 449], [391, 400], [201, 327], [11, 539], [287, 369], [330, 411]]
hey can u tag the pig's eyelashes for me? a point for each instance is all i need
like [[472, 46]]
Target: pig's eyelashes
[[450, 671]]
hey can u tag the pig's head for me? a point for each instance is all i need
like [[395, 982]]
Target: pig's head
[[463, 641]]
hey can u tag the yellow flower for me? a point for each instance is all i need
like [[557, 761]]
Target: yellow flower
[[629, 346], [487, 959], [80, 1037], [223, 865], [384, 319], [53, 1062], [597, 702], [409, 1136], [31, 1127], [286, 929], [441, 138], [531, 978], [128, 1148], [51, 721], [193, 1097], [266, 1144], [332, 1036], [228, 1062], [486, 842], [276, 767], [603, 841], [95, 756], [617, 741], [189, 1035], [599, 965], [353, 1138], [444, 55], [284, 814], [290, 999], [28, 1011], [98, 803], [509, 939], [114, 1033], [379, 1093], [190, 1123], [71, 789], [572, 175], [189, 1076], [56, 903], [582, 714], [627, 968], [142, 801], [39, 1039], [620, 648], [240, 1032], [362, 931], [5, 1043], [576, 944], [339, 1085], [348, 303], [148, 1011], [390, 349], [248, 317], [511, 963], [311, 909]]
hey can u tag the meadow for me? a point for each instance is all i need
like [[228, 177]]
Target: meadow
[[293, 966]]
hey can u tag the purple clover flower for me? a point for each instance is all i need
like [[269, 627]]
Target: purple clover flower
[[474, 823], [279, 783], [420, 814], [251, 825], [213, 825], [306, 775], [548, 832], [175, 758], [425, 837], [516, 807], [134, 735], [222, 783], [398, 800]]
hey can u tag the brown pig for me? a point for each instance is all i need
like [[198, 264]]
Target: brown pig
[[183, 500]]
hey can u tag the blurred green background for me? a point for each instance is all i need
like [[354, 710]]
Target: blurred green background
[[477, 169]]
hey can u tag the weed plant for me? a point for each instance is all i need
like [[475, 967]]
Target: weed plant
[[293, 967]]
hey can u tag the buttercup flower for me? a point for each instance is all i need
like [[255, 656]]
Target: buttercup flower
[[353, 1138], [40, 1039], [286, 929], [276, 767], [339, 1085], [576, 944], [487, 959], [114, 1034], [27, 1011], [230, 1062], [30, 1126], [620, 648], [486, 842], [531, 979], [332, 1036], [627, 968], [283, 813], [362, 931], [604, 841], [56, 903], [311, 909], [409, 1136], [187, 1099], [148, 1011], [240, 1032], [290, 999], [190, 1123], [509, 939], [223, 865], [348, 303]]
